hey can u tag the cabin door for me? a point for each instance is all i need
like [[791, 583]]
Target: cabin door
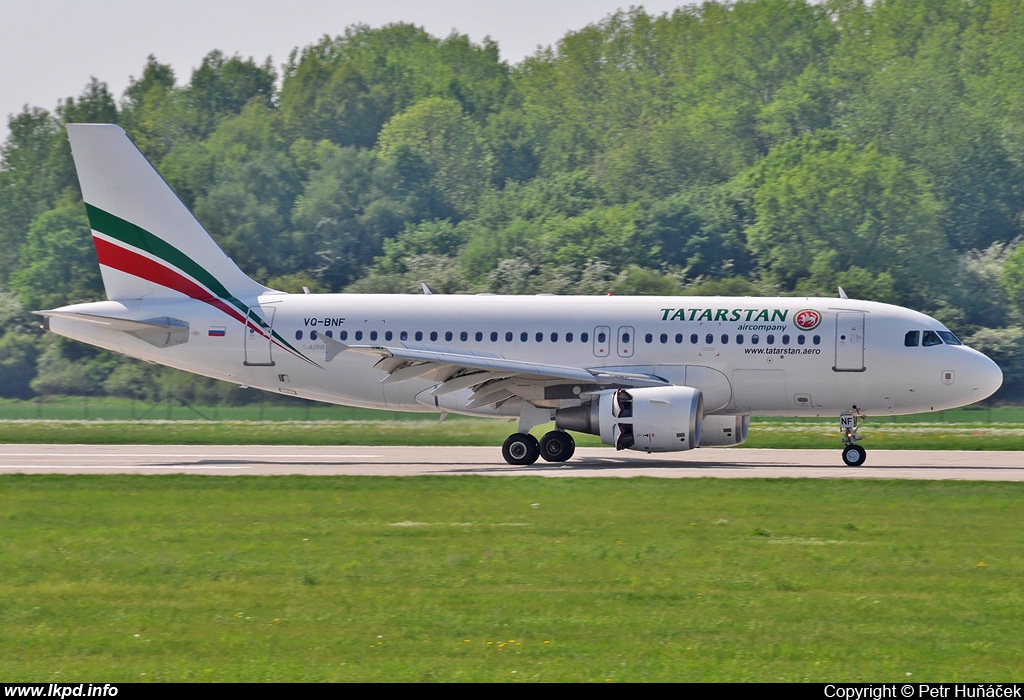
[[259, 323], [849, 341]]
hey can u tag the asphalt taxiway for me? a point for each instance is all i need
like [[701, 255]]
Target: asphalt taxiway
[[227, 460]]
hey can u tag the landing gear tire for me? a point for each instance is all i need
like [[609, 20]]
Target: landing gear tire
[[520, 449], [557, 446], [854, 455]]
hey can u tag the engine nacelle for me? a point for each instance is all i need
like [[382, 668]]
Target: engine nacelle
[[649, 419], [723, 431]]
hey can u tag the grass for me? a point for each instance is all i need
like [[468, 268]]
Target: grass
[[191, 578], [112, 408], [791, 434]]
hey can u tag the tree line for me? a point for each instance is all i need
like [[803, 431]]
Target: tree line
[[758, 147]]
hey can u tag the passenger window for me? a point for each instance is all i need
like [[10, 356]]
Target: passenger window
[[524, 336], [343, 335], [312, 335], [419, 335], [800, 340], [725, 339], [648, 338], [479, 336], [663, 338], [816, 340], [693, 339], [373, 335], [568, 337], [359, 335], [601, 337], [539, 337], [930, 338], [404, 335], [463, 336], [912, 339], [448, 335], [754, 339], [554, 337], [739, 339], [433, 335], [709, 339], [679, 338], [330, 334], [494, 336], [584, 337], [298, 335], [508, 336]]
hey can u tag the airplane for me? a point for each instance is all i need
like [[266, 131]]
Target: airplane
[[649, 374]]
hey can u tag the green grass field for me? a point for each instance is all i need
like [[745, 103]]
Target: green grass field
[[118, 421], [192, 578]]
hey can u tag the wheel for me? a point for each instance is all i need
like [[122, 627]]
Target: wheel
[[557, 446], [520, 449], [854, 455]]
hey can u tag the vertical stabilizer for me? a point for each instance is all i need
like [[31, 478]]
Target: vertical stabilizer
[[149, 244]]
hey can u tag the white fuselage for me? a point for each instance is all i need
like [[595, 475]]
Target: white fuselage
[[748, 355]]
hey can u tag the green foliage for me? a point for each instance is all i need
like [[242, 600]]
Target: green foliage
[[439, 151], [17, 365], [221, 86], [759, 146], [825, 208], [58, 262], [67, 367]]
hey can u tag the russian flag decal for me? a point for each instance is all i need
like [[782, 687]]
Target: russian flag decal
[[218, 331]]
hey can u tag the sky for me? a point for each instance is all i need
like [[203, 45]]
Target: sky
[[49, 49]]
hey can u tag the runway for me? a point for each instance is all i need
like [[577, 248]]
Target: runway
[[232, 460]]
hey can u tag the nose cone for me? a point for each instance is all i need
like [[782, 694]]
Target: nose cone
[[984, 377]]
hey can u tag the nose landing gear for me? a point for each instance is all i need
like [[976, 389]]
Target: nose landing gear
[[853, 454]]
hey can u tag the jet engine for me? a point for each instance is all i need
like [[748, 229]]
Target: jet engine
[[649, 419], [724, 431]]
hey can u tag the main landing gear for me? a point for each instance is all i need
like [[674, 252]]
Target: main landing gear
[[853, 454], [522, 448]]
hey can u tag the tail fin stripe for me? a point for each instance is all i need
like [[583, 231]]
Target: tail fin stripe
[[125, 260], [132, 263], [138, 237]]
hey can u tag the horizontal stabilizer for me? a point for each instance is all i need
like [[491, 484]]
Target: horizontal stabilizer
[[160, 332]]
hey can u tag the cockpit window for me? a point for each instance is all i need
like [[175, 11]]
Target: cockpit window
[[912, 339], [930, 338], [949, 338]]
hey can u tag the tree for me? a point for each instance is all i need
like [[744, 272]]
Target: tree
[[439, 148], [823, 208], [222, 87], [348, 209], [59, 263], [17, 365]]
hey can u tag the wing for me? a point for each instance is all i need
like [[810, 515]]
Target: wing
[[491, 378]]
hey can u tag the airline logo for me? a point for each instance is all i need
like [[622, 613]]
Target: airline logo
[[807, 320]]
